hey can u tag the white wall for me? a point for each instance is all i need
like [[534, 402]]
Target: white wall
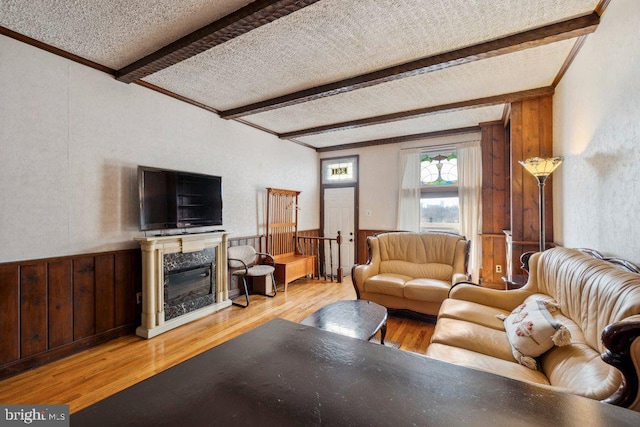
[[379, 177], [597, 130], [71, 138]]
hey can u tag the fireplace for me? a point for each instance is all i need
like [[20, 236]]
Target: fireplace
[[183, 279], [187, 291]]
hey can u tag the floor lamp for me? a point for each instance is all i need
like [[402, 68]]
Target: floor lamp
[[541, 169]]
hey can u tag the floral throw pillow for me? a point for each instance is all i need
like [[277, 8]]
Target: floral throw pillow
[[532, 330]]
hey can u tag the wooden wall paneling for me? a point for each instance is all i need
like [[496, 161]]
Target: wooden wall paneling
[[125, 298], [487, 178], [50, 308], [530, 148], [33, 309], [495, 201], [500, 257], [500, 180], [83, 297], [517, 171], [486, 271], [546, 150], [9, 313], [105, 311], [531, 135], [60, 302]]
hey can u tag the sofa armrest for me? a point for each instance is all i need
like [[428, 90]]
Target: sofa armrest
[[458, 278], [361, 272], [505, 300], [622, 342]]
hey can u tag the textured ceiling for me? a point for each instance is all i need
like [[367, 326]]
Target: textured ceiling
[[431, 123], [325, 42], [502, 74]]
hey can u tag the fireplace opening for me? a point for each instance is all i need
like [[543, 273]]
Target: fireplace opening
[[184, 285], [188, 289]]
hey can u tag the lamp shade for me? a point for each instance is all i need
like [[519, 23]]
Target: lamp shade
[[538, 166]]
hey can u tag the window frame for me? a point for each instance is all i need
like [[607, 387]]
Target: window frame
[[438, 192]]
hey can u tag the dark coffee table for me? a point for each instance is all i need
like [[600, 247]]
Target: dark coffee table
[[286, 374], [354, 318]]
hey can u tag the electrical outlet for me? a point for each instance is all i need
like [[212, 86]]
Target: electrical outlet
[[139, 298], [498, 269]]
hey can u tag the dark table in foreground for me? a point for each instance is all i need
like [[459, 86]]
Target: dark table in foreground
[[284, 373], [353, 318]]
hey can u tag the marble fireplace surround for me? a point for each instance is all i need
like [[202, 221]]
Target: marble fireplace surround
[[154, 250]]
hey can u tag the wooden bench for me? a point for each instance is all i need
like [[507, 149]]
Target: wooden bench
[[292, 266]]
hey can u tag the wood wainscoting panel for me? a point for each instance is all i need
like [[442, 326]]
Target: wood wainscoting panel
[[55, 307], [33, 309], [125, 279], [105, 292], [493, 253], [60, 286], [84, 296], [9, 313]]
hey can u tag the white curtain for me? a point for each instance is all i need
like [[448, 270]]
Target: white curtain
[[470, 196], [409, 191]]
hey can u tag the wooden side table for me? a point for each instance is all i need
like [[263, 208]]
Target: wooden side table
[[515, 281]]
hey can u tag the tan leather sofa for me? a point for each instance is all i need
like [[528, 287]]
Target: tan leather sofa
[[598, 302], [411, 271]]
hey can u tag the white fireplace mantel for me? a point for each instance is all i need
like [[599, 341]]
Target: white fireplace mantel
[[153, 251]]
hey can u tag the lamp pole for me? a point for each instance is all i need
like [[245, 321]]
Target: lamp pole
[[541, 169], [541, 180]]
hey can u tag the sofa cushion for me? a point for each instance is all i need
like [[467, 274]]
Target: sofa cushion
[[579, 368], [387, 284], [434, 270], [532, 330], [473, 337], [483, 362], [426, 290], [472, 312]]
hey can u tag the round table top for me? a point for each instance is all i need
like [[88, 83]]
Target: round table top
[[354, 318]]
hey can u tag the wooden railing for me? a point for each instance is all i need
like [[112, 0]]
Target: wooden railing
[[323, 248]]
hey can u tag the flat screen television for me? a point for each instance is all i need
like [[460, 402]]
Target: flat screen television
[[175, 199]]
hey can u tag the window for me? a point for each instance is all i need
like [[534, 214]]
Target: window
[[439, 207], [339, 171]]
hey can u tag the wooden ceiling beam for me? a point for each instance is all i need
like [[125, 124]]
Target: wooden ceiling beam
[[445, 108], [400, 139], [568, 29], [250, 17]]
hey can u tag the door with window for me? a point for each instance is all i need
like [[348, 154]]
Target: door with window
[[339, 205], [339, 212]]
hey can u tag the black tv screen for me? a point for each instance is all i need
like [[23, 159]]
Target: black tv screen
[[176, 199]]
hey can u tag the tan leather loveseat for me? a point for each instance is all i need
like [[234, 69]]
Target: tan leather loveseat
[[598, 302], [411, 271]]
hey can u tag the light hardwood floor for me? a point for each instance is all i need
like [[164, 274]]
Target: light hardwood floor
[[87, 377]]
